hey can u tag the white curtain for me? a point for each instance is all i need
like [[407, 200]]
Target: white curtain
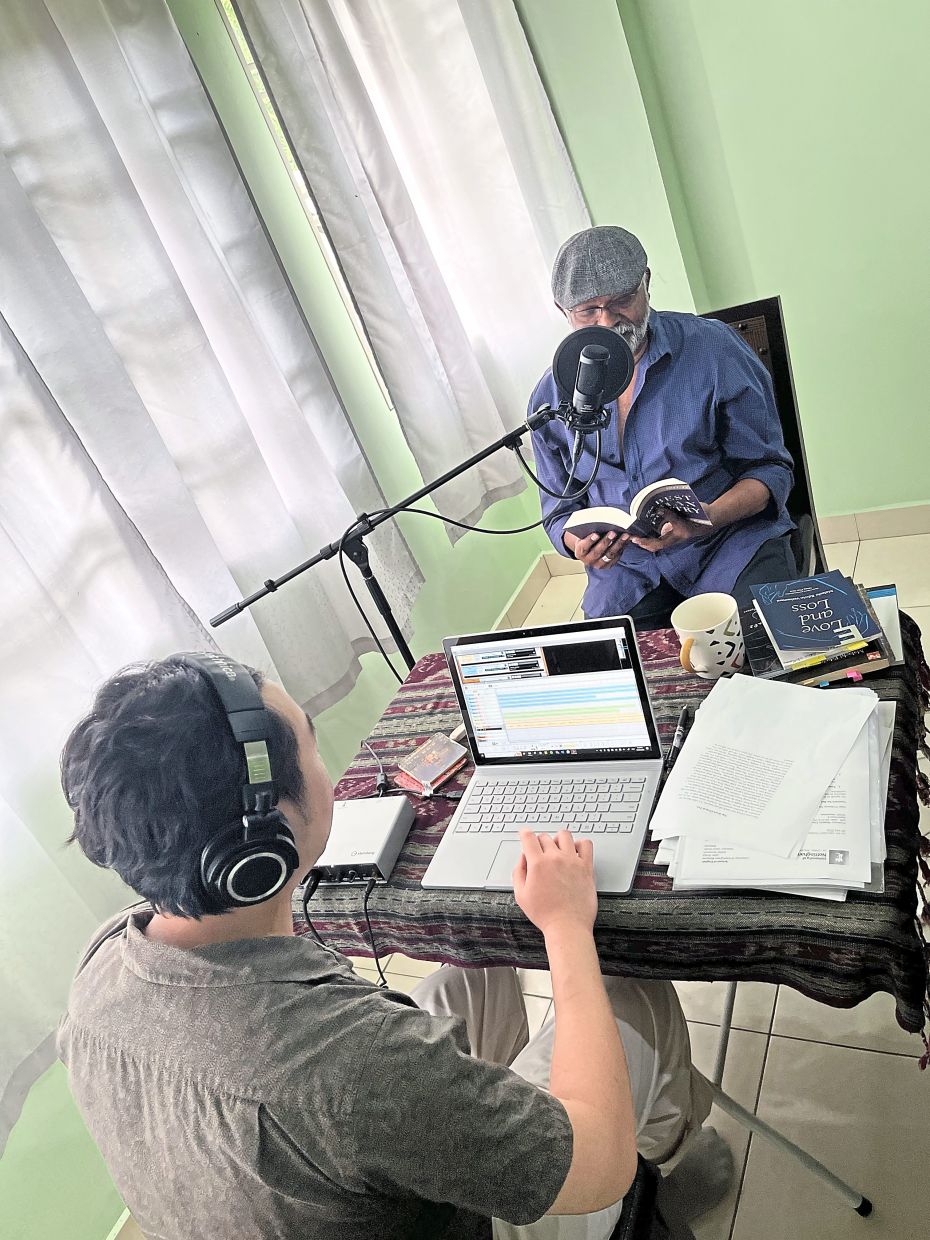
[[429, 145], [169, 438]]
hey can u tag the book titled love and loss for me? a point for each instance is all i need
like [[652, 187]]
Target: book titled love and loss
[[814, 614]]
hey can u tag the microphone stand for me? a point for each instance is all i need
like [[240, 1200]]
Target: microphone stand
[[353, 542]]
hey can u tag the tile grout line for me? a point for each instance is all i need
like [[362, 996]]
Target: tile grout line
[[845, 1046]]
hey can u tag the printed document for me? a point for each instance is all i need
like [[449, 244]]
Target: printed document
[[758, 760], [844, 847]]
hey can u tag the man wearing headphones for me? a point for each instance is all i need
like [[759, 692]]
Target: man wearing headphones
[[244, 1082], [699, 408]]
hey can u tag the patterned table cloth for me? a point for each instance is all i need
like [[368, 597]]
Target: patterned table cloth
[[836, 953]]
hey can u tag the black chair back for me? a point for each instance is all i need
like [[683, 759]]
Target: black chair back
[[761, 325]]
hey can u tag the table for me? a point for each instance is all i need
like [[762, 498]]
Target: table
[[836, 953]]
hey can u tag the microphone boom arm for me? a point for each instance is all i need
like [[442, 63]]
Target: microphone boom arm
[[619, 368], [354, 548]]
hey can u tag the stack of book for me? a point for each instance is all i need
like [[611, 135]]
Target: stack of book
[[816, 630]]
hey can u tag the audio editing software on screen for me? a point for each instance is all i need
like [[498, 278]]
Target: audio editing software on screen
[[557, 696]]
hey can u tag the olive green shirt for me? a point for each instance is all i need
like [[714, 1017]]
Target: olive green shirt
[[262, 1089]]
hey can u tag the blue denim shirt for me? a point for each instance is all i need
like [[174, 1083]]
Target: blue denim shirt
[[703, 411]]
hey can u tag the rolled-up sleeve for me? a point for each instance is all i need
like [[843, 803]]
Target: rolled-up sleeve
[[749, 428], [431, 1120]]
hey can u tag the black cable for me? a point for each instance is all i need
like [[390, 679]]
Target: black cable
[[474, 529], [382, 782], [563, 495], [309, 888], [372, 883], [361, 610], [522, 529], [424, 796]]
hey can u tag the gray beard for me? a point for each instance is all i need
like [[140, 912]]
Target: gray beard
[[635, 333]]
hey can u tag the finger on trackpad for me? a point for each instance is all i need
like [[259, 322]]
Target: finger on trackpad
[[500, 875]]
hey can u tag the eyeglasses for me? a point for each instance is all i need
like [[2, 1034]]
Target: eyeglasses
[[613, 308]]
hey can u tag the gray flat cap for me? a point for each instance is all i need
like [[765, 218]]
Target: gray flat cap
[[598, 262]]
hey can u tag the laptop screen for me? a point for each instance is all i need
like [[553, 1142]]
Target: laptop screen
[[560, 693]]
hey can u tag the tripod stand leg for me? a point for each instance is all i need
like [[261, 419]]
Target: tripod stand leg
[[852, 1197]]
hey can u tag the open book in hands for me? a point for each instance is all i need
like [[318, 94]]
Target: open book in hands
[[648, 512]]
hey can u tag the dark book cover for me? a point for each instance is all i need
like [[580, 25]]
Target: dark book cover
[[764, 662], [677, 497], [649, 511], [814, 614]]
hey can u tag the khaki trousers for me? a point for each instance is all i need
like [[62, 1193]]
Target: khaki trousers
[[670, 1099]]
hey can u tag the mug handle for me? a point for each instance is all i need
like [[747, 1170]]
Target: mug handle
[[686, 655]]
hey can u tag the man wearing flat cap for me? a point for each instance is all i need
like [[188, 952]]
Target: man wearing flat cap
[[699, 408]]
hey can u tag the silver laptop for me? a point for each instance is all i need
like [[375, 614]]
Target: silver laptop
[[562, 735]]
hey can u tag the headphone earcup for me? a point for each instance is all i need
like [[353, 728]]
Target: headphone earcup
[[237, 872]]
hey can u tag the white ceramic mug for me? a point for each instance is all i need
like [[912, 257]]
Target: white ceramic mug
[[711, 639]]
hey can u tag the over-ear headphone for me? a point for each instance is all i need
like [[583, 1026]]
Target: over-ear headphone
[[251, 859]]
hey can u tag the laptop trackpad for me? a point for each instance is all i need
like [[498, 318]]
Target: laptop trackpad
[[500, 875]]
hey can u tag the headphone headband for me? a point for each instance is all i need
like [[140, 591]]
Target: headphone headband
[[252, 859], [247, 716]]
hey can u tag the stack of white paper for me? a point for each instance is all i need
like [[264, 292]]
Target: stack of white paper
[[779, 787]]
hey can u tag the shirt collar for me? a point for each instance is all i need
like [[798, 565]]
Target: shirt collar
[[242, 963], [659, 345]]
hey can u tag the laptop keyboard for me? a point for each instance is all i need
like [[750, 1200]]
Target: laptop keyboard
[[584, 805]]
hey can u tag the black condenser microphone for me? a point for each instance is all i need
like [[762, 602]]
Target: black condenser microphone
[[591, 367], [590, 379]]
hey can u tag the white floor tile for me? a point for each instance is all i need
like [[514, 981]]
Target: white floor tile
[[536, 982], [905, 561], [864, 1115], [842, 556], [559, 599], [745, 1056], [703, 1002], [537, 1010], [870, 1025], [410, 967], [130, 1230], [398, 981], [894, 522], [526, 596], [838, 529], [367, 962], [559, 565], [371, 975]]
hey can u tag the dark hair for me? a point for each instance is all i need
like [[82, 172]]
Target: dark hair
[[153, 773]]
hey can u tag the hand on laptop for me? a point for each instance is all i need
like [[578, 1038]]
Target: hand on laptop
[[553, 882]]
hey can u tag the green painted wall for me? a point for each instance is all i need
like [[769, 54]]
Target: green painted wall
[[793, 141], [53, 1184], [591, 83]]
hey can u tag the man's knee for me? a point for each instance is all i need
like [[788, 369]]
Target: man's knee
[[774, 561]]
